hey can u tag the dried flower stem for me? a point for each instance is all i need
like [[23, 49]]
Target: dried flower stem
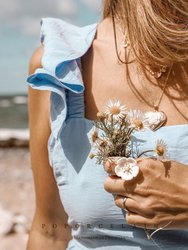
[[144, 152]]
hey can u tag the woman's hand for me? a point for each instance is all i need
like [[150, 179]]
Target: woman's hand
[[157, 197]]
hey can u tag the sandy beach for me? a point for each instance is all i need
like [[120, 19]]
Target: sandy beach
[[16, 193]]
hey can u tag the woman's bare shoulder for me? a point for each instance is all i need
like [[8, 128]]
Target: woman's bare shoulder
[[35, 60], [39, 101]]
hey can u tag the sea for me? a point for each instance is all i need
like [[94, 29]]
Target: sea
[[19, 36]]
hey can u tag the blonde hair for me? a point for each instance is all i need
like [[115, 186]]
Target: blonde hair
[[157, 30]]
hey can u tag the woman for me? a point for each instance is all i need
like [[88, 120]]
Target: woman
[[138, 55]]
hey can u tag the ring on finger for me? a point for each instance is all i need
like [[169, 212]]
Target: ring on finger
[[124, 204]]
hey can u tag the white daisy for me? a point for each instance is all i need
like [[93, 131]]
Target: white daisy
[[161, 149], [126, 168], [137, 120], [115, 109]]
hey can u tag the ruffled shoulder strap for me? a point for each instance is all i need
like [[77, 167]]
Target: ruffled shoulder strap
[[64, 44]]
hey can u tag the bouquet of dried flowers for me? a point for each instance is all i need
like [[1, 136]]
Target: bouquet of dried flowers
[[117, 125], [112, 137]]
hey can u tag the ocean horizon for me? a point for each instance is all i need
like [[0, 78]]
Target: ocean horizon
[[20, 34], [13, 112]]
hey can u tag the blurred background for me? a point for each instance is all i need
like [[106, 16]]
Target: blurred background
[[19, 36]]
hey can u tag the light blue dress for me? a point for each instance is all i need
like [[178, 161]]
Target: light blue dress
[[96, 221]]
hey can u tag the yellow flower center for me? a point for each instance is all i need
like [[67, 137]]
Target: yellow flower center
[[91, 156], [115, 110], [138, 123], [103, 144], [94, 136], [101, 116], [160, 150]]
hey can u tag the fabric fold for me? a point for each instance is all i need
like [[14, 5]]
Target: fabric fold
[[64, 44]]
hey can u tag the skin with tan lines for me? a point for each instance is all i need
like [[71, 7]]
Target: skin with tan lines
[[105, 79]]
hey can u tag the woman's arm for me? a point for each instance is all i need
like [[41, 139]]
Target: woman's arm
[[49, 229]]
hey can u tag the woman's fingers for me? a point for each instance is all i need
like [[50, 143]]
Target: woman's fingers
[[109, 165], [140, 216], [116, 185], [126, 203], [133, 206], [149, 223], [140, 221]]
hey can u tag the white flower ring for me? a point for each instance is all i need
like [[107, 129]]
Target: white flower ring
[[126, 168]]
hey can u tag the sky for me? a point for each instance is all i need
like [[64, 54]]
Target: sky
[[20, 31]]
